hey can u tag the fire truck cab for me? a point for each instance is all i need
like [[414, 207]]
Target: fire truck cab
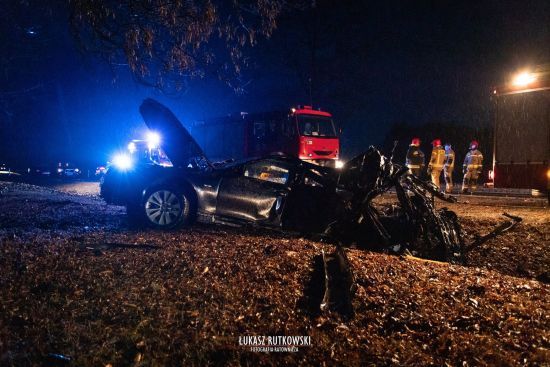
[[299, 132]]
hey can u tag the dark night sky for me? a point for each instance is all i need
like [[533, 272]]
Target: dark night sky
[[372, 64]]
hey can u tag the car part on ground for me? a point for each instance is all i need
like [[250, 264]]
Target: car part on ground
[[339, 283], [500, 229]]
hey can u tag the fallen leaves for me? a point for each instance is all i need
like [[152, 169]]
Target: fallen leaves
[[187, 298]]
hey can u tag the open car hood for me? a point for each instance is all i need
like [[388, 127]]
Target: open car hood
[[176, 141]]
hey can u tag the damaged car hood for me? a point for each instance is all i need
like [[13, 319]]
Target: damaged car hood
[[178, 144]]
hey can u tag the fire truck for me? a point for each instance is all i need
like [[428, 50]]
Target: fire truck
[[521, 146], [302, 132]]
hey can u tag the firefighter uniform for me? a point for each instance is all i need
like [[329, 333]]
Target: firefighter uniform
[[436, 162], [415, 158], [448, 168], [473, 163]]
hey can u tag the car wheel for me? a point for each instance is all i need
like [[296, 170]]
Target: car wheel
[[166, 208]]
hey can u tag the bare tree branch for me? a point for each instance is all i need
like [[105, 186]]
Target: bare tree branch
[[166, 43]]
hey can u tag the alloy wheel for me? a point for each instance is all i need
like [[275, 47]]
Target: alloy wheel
[[163, 208]]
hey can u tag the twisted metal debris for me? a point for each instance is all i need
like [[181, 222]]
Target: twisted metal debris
[[413, 226]]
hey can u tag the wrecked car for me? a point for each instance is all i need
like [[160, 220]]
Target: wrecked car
[[273, 191], [283, 192]]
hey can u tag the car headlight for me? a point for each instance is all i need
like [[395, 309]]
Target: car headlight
[[123, 161], [153, 140], [132, 147], [339, 164]]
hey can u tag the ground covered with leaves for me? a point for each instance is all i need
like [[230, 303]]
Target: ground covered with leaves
[[81, 287]]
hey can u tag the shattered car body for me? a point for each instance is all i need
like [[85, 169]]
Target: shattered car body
[[414, 224]]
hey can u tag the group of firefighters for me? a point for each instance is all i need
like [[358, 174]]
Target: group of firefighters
[[443, 159]]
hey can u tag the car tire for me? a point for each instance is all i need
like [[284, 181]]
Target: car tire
[[166, 208]]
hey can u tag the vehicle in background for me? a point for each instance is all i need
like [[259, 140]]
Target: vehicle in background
[[521, 146], [302, 132], [100, 171], [67, 171], [39, 171], [7, 171]]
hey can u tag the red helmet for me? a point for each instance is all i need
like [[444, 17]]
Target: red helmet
[[436, 142], [474, 144], [415, 141]]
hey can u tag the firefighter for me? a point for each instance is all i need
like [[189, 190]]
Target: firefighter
[[448, 168], [436, 162], [473, 163], [415, 158]]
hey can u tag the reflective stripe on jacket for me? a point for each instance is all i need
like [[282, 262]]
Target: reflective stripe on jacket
[[473, 160], [415, 157], [438, 158], [449, 159]]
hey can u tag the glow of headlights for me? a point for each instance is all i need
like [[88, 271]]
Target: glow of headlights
[[153, 140], [132, 147], [122, 161], [339, 164]]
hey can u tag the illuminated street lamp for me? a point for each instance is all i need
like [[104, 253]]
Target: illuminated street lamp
[[523, 79]]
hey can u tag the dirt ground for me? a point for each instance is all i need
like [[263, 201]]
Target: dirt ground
[[81, 287]]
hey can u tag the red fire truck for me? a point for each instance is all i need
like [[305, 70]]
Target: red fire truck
[[301, 132]]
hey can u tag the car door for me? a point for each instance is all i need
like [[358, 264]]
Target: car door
[[255, 192]]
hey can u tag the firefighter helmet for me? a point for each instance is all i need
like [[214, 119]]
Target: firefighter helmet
[[436, 142], [415, 141], [474, 144]]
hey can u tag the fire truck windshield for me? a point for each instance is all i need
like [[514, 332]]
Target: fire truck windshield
[[316, 126]]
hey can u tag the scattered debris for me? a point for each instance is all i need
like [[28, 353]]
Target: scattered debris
[[414, 226], [339, 283], [502, 228]]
